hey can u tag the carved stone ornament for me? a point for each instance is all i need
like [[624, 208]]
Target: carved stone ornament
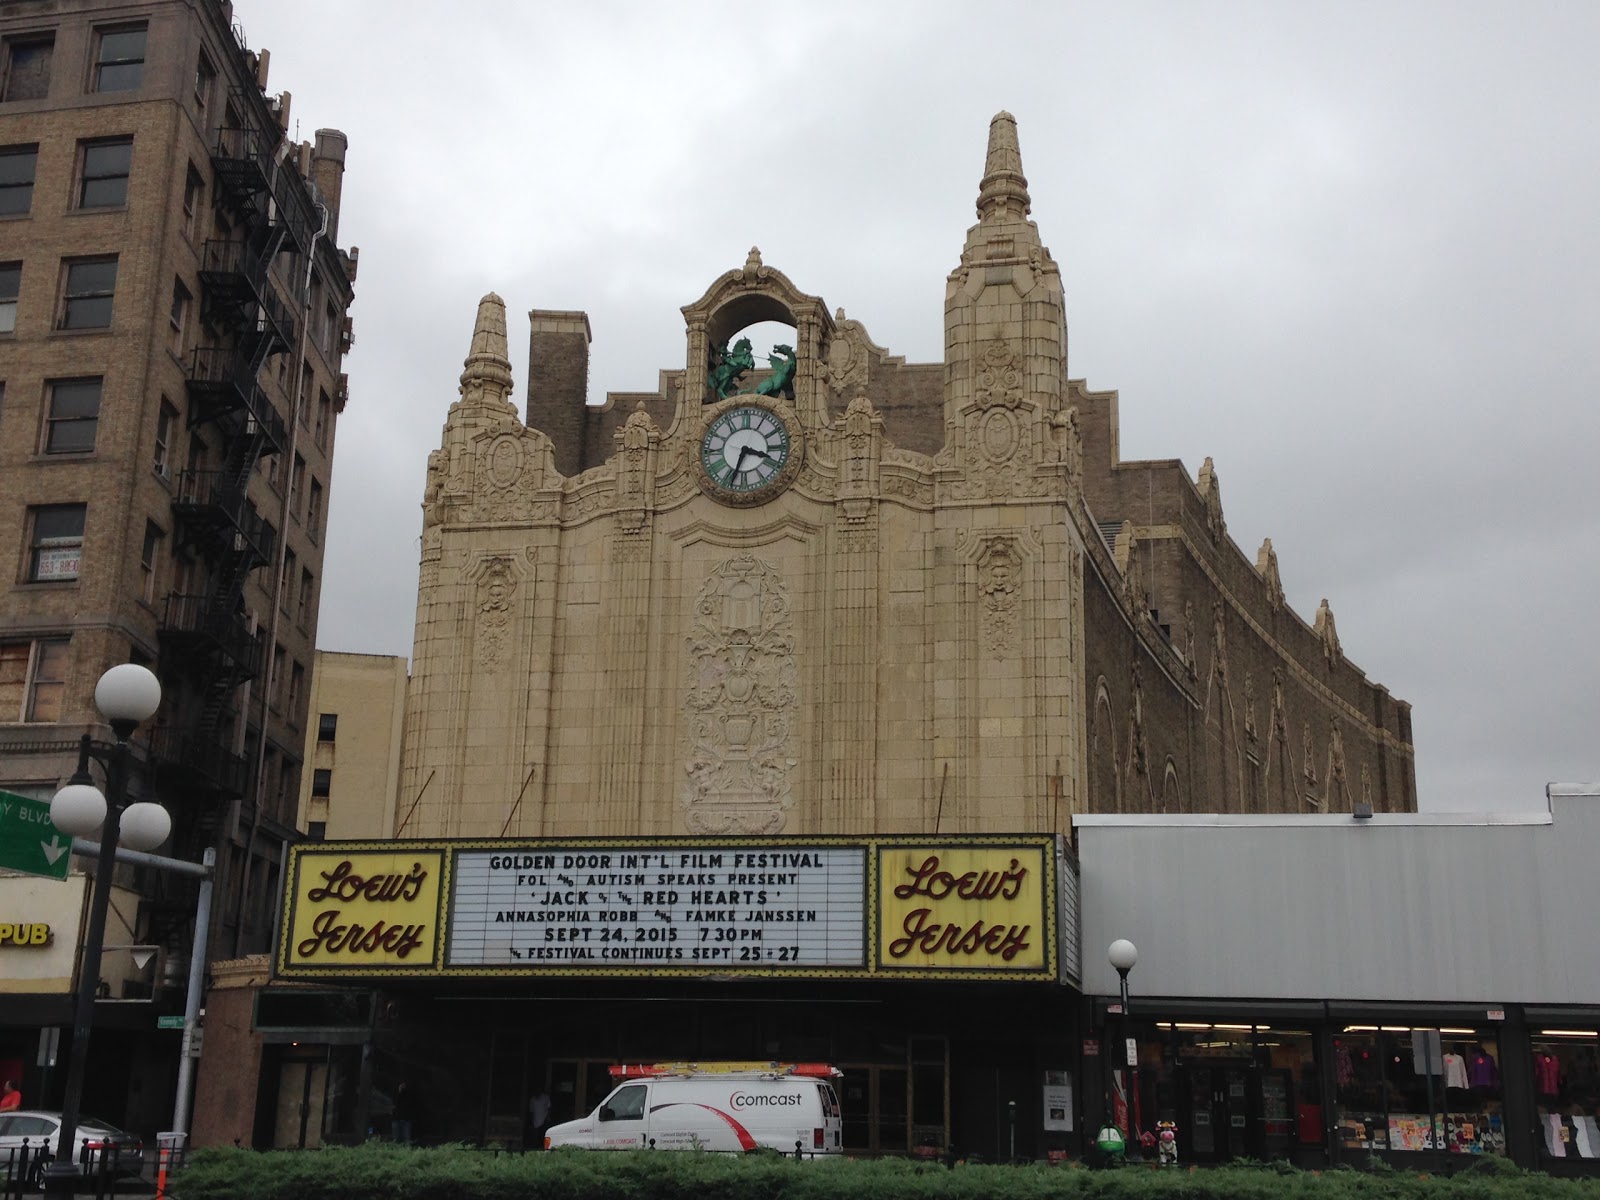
[[635, 470], [999, 595], [1188, 637], [1138, 747], [740, 702], [510, 470], [999, 380], [1328, 633], [1211, 493], [1267, 568], [1335, 754], [1308, 754], [847, 359], [1219, 640], [1280, 719], [1250, 729], [1068, 439], [497, 584], [1366, 785]]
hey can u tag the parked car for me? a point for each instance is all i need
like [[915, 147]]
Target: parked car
[[122, 1151]]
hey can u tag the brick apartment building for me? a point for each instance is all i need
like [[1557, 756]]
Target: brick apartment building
[[172, 326]]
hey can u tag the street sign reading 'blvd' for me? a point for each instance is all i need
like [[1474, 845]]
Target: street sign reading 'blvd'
[[28, 841]]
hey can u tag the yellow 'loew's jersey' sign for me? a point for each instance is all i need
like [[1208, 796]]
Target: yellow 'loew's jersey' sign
[[955, 908], [364, 909]]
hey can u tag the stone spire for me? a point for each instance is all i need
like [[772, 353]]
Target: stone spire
[[1004, 189], [486, 377], [1005, 331]]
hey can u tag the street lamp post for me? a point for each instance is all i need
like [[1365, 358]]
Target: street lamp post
[[126, 695], [1122, 955]]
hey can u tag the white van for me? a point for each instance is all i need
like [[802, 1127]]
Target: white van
[[788, 1107]]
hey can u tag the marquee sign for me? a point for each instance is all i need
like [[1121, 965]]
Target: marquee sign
[[981, 907]]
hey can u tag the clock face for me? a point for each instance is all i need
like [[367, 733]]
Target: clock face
[[745, 449]]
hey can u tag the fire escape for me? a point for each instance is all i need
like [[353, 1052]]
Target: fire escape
[[205, 637]]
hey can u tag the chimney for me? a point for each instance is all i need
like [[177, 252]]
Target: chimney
[[327, 172]]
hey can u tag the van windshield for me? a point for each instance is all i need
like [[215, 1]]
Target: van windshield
[[626, 1104]]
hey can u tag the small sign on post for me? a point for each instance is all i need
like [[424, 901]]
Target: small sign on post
[[1133, 1052], [169, 1022]]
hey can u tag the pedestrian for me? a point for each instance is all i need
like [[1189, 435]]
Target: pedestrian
[[539, 1117], [402, 1116], [12, 1096]]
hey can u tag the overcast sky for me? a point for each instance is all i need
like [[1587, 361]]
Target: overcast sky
[[1351, 251]]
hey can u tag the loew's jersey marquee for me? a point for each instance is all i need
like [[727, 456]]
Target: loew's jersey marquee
[[977, 907]]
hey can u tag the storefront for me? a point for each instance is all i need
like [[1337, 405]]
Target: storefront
[[936, 973], [133, 1079], [1316, 1086], [1329, 989]]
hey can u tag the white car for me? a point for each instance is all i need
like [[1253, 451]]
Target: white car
[[123, 1151]]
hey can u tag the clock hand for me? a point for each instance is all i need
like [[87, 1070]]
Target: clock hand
[[739, 463]]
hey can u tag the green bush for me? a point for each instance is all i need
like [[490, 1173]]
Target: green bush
[[380, 1171]]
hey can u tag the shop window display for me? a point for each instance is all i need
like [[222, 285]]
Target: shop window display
[[1410, 1089], [1566, 1080]]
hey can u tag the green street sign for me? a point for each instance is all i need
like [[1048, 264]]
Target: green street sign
[[169, 1022], [28, 842]]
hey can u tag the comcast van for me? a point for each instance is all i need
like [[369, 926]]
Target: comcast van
[[788, 1107]]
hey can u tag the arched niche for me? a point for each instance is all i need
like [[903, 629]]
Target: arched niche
[[751, 295]]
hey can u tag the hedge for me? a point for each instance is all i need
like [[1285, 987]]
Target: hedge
[[381, 1171]]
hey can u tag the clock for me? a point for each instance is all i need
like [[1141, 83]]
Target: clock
[[748, 452]]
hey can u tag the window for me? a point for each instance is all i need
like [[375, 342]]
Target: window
[[277, 676], [307, 595], [303, 400], [178, 318], [148, 557], [10, 286], [314, 511], [297, 687], [275, 472], [56, 542], [91, 283], [119, 60], [27, 68], [166, 426], [327, 726], [296, 483], [288, 789], [324, 418], [105, 173], [316, 831], [321, 782], [74, 416], [205, 78], [287, 581], [626, 1105], [193, 188], [330, 331], [33, 678], [16, 179]]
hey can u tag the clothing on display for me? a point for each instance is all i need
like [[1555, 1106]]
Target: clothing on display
[[1455, 1071], [1547, 1073], [1344, 1071], [1482, 1070]]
